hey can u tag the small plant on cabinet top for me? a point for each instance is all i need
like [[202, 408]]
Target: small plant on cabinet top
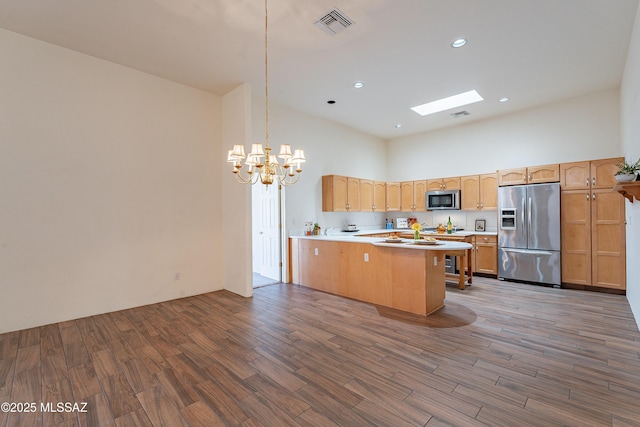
[[625, 168]]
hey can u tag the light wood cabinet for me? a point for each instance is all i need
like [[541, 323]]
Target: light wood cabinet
[[366, 195], [412, 198], [451, 183], [340, 194], [379, 196], [529, 175], [592, 225], [372, 196], [393, 196], [589, 174], [479, 192], [404, 279], [485, 259]]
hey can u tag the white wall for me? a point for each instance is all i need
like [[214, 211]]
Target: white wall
[[330, 148], [235, 232], [577, 129], [109, 183], [630, 102]]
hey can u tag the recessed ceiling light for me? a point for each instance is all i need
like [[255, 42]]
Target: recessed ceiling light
[[398, 125], [443, 104], [504, 99], [358, 85], [331, 101], [459, 43]]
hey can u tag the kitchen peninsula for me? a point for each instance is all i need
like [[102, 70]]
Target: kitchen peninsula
[[404, 275]]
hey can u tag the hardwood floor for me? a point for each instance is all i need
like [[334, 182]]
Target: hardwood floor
[[498, 354]]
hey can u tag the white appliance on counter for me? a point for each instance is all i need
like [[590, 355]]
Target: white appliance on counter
[[529, 233]]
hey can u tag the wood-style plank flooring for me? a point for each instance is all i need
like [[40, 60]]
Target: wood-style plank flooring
[[498, 354]]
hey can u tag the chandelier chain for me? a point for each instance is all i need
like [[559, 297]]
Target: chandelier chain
[[266, 73]]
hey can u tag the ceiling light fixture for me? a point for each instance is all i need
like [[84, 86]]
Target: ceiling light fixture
[[358, 85], [269, 171], [459, 43], [398, 125], [443, 104], [504, 99]]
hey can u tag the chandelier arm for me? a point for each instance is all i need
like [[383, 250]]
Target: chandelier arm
[[288, 180], [249, 179]]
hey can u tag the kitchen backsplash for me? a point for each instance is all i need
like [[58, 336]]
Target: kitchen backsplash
[[336, 221]]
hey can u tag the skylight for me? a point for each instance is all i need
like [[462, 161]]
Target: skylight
[[443, 104]]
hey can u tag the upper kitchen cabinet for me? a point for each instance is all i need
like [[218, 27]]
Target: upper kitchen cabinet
[[479, 192], [589, 174], [529, 175], [412, 196], [393, 196], [452, 183], [340, 193], [372, 196]]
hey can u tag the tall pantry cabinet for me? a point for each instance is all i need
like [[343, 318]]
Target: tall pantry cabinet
[[593, 225]]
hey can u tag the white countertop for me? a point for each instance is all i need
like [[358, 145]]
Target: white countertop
[[408, 230], [380, 241]]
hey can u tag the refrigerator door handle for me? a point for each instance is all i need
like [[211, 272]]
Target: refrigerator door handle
[[529, 216], [528, 251]]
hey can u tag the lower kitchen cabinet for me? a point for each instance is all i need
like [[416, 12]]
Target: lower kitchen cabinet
[[485, 259], [593, 238]]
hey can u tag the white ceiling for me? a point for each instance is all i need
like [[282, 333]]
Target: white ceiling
[[533, 51]]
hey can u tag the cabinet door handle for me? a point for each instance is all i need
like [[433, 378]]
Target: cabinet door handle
[[593, 197], [593, 181], [587, 183], [481, 206], [529, 177], [485, 238]]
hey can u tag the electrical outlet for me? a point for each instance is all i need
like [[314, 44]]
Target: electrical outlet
[[366, 257], [316, 251]]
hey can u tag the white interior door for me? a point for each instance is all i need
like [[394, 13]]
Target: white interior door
[[269, 233]]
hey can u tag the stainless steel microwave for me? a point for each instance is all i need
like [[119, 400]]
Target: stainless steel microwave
[[446, 199]]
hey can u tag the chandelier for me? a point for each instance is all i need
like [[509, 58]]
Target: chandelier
[[261, 165]]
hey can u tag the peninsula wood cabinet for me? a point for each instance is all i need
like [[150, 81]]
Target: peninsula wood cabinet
[[372, 196], [412, 197], [479, 192], [592, 225], [340, 193], [529, 175], [393, 196], [451, 183]]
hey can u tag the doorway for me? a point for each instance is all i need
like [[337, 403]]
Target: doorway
[[267, 234]]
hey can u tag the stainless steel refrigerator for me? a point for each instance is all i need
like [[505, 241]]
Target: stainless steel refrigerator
[[529, 233]]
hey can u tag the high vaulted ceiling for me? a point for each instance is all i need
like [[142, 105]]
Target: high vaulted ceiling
[[533, 52]]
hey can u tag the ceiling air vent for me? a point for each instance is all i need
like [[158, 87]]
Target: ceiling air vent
[[333, 22], [460, 114]]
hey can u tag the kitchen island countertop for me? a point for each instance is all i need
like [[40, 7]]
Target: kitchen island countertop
[[380, 241]]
